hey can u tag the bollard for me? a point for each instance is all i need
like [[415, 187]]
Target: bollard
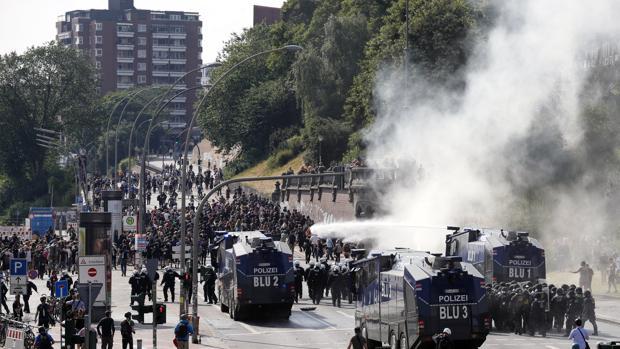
[[139, 344]]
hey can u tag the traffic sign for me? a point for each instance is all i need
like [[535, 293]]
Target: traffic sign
[[61, 288], [92, 269], [33, 274], [19, 266], [18, 269], [14, 338], [95, 289]]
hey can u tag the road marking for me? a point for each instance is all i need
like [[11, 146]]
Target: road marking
[[287, 332], [319, 320], [345, 314], [248, 327], [551, 347]]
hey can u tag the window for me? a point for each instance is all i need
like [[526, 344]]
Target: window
[[78, 28], [98, 26], [175, 17], [98, 64], [98, 52], [177, 29], [142, 41], [124, 28], [141, 53], [124, 54], [79, 40], [125, 66], [141, 66], [142, 28], [98, 39], [177, 55], [142, 79], [160, 54], [124, 41], [122, 79]]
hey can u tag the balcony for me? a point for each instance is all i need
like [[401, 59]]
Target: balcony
[[124, 59], [160, 73], [178, 36], [123, 86], [124, 34], [178, 61], [161, 35], [125, 47], [178, 112], [125, 72], [178, 48]]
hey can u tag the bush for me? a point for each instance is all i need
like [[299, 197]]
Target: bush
[[280, 158]]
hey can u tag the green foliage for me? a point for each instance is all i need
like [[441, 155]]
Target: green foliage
[[346, 43], [280, 158], [51, 87]]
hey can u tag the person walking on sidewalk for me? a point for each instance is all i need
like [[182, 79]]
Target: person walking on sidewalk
[[182, 332], [105, 330], [127, 331], [611, 276]]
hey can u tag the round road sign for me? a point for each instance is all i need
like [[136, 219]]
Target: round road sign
[[92, 272]]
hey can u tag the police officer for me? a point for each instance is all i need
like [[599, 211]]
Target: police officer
[[300, 273], [574, 310], [335, 284], [515, 306], [209, 285], [558, 309], [134, 281], [538, 322], [168, 281], [310, 275], [588, 311]]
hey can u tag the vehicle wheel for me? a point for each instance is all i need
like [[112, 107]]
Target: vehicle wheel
[[393, 341], [402, 341]]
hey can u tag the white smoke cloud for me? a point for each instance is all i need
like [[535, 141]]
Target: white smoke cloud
[[470, 151]]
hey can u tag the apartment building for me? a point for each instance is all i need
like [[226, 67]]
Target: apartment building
[[134, 47]]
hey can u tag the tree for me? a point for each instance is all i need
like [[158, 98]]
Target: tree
[[49, 86]]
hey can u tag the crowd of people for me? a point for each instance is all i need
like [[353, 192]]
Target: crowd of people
[[540, 308]]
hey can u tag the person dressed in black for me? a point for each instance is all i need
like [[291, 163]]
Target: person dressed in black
[[358, 341], [300, 273], [127, 331], [442, 340], [134, 281], [3, 292], [105, 330], [29, 287], [209, 285], [43, 315], [168, 281]]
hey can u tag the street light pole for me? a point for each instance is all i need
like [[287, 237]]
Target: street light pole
[[118, 125], [194, 290]]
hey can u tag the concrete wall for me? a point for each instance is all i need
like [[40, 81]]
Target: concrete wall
[[324, 211]]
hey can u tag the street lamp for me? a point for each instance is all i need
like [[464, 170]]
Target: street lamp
[[291, 48], [320, 143], [127, 98]]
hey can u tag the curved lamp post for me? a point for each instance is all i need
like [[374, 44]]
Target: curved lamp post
[[118, 125], [127, 98], [292, 48]]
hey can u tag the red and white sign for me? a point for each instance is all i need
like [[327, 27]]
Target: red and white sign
[[92, 268], [14, 338]]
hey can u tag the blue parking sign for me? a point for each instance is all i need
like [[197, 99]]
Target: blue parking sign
[[61, 289], [19, 266]]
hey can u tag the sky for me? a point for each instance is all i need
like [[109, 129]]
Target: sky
[[27, 23]]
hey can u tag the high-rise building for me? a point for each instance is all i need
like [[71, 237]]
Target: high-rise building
[[266, 15], [132, 47]]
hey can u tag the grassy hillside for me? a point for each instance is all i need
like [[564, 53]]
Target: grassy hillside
[[262, 169]]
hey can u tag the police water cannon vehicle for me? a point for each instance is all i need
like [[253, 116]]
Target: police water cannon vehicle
[[404, 297], [501, 256], [255, 275]]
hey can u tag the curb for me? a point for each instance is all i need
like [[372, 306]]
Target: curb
[[608, 320]]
